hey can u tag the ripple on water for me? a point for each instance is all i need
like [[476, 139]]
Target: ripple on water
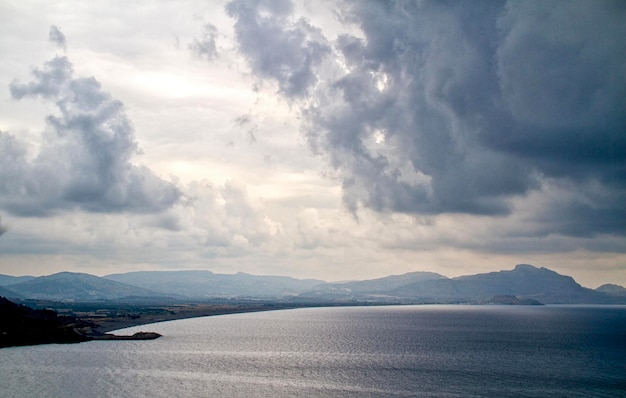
[[343, 352]]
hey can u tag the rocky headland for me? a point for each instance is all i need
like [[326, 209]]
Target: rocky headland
[[21, 325]]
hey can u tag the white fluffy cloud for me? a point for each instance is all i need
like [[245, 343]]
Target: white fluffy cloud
[[85, 158]]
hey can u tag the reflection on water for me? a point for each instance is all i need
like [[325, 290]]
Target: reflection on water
[[483, 351]]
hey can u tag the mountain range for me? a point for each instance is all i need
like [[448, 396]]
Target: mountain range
[[209, 284], [524, 283]]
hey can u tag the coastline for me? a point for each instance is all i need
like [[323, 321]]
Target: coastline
[[112, 325], [63, 323]]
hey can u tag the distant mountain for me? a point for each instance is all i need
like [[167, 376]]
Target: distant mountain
[[373, 289], [523, 282], [206, 284], [71, 286], [612, 290], [6, 280], [7, 292]]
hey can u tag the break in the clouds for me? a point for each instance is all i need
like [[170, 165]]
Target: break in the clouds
[[459, 107], [85, 158]]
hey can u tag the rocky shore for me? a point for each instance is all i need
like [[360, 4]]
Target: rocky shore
[[21, 325], [136, 336]]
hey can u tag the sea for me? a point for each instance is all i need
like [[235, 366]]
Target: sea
[[373, 351]]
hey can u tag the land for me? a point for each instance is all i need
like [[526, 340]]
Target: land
[[175, 287], [507, 299], [43, 322], [136, 336], [73, 307], [21, 325], [109, 317]]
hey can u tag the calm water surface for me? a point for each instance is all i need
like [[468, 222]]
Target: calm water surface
[[422, 351]]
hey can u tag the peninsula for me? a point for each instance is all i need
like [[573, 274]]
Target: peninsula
[[22, 325]]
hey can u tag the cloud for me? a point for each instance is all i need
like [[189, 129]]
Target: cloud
[[580, 209], [460, 107], [217, 220], [57, 37], [48, 82], [276, 46], [206, 46], [85, 160]]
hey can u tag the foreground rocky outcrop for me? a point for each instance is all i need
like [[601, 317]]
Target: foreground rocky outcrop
[[21, 325], [136, 336]]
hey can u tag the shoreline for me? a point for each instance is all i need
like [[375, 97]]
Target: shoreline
[[112, 325], [204, 310]]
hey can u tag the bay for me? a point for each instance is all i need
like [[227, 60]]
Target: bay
[[421, 351]]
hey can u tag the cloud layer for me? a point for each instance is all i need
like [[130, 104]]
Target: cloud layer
[[334, 140], [278, 47], [460, 107], [85, 160]]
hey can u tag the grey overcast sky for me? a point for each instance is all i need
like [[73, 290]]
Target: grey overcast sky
[[317, 139]]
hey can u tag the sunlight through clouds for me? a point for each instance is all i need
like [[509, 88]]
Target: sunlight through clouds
[[329, 140]]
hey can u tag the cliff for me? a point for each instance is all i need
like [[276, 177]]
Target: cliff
[[21, 325]]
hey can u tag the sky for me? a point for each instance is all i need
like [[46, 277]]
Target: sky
[[335, 140]]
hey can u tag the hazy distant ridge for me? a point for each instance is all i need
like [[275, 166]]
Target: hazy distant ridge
[[611, 289], [7, 280], [73, 286], [523, 282], [208, 284], [372, 288]]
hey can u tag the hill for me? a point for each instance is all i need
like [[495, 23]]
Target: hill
[[72, 286], [7, 292], [205, 284], [7, 280], [612, 290], [25, 326], [368, 290], [525, 282]]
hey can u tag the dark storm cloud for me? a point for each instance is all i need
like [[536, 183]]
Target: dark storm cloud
[[57, 37], [278, 48], [583, 211], [85, 157], [206, 46], [460, 107]]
